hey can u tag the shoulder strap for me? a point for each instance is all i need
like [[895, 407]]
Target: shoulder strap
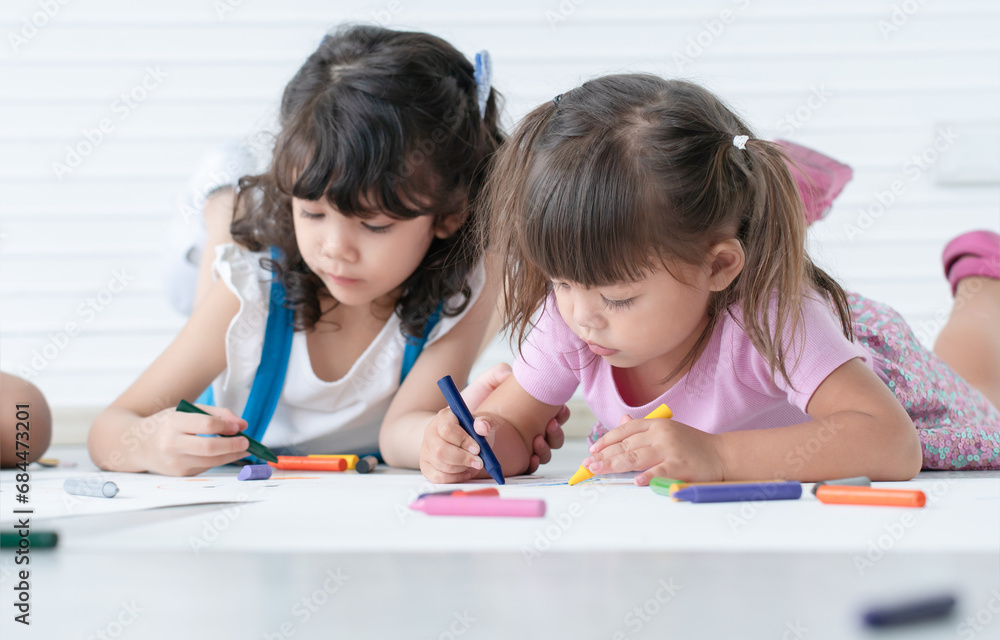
[[415, 345], [270, 377]]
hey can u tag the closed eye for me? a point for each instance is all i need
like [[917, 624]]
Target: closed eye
[[617, 304], [376, 229], [308, 215]]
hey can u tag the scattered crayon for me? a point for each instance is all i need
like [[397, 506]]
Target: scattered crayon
[[366, 464], [254, 472], [351, 458], [304, 463], [831, 494], [738, 491], [92, 487], [35, 539], [479, 506], [857, 481], [910, 612]]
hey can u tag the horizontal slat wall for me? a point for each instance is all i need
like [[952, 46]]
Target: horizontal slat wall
[[214, 75]]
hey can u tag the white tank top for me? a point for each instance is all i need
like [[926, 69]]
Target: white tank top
[[312, 416]]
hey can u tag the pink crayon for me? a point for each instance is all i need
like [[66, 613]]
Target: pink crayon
[[472, 506]]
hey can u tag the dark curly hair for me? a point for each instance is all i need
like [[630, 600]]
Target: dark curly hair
[[376, 121]]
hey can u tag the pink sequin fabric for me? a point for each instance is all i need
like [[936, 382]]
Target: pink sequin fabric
[[958, 427]]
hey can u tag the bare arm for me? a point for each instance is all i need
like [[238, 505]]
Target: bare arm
[[419, 399], [859, 428], [140, 431]]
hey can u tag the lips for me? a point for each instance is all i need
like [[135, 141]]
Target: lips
[[601, 351], [342, 280]]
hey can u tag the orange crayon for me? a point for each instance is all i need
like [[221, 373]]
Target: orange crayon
[[305, 463], [352, 459], [833, 494]]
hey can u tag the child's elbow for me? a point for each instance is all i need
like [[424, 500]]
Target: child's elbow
[[908, 457]]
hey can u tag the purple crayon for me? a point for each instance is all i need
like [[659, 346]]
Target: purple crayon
[[736, 492], [255, 472]]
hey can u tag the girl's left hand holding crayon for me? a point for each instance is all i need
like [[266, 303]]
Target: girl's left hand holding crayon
[[657, 447]]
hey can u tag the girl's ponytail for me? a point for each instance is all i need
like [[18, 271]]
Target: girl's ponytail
[[778, 272]]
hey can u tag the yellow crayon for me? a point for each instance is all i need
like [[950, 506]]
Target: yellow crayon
[[352, 460], [583, 473]]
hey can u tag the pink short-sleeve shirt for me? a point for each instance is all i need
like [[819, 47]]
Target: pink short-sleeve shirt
[[729, 388]]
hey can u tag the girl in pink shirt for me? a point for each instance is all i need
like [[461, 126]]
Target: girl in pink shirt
[[653, 251]]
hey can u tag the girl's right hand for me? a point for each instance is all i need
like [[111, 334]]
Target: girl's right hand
[[175, 445], [447, 453]]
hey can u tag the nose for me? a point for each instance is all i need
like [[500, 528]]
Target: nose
[[339, 242], [587, 313]]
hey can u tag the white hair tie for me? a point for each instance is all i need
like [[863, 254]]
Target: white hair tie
[[740, 142]]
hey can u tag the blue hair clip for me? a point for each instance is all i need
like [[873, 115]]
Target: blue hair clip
[[484, 80]]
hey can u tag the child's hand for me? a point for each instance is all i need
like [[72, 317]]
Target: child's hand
[[448, 454], [657, 447], [542, 446], [171, 442]]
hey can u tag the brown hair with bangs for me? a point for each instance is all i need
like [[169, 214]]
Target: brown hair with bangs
[[629, 173], [376, 121]]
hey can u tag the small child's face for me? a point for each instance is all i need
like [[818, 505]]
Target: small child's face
[[358, 260], [652, 322]]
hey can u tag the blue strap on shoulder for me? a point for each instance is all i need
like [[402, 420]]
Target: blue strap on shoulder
[[270, 376], [415, 345]]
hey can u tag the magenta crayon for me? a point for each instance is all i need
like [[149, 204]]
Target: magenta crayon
[[255, 472], [474, 506]]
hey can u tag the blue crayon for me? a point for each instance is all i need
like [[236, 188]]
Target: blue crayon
[[736, 492], [916, 611], [461, 411]]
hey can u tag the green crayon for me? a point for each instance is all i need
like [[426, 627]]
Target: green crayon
[[255, 448], [36, 539]]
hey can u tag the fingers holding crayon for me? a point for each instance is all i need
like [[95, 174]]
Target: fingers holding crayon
[[657, 447], [172, 442], [447, 453]]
